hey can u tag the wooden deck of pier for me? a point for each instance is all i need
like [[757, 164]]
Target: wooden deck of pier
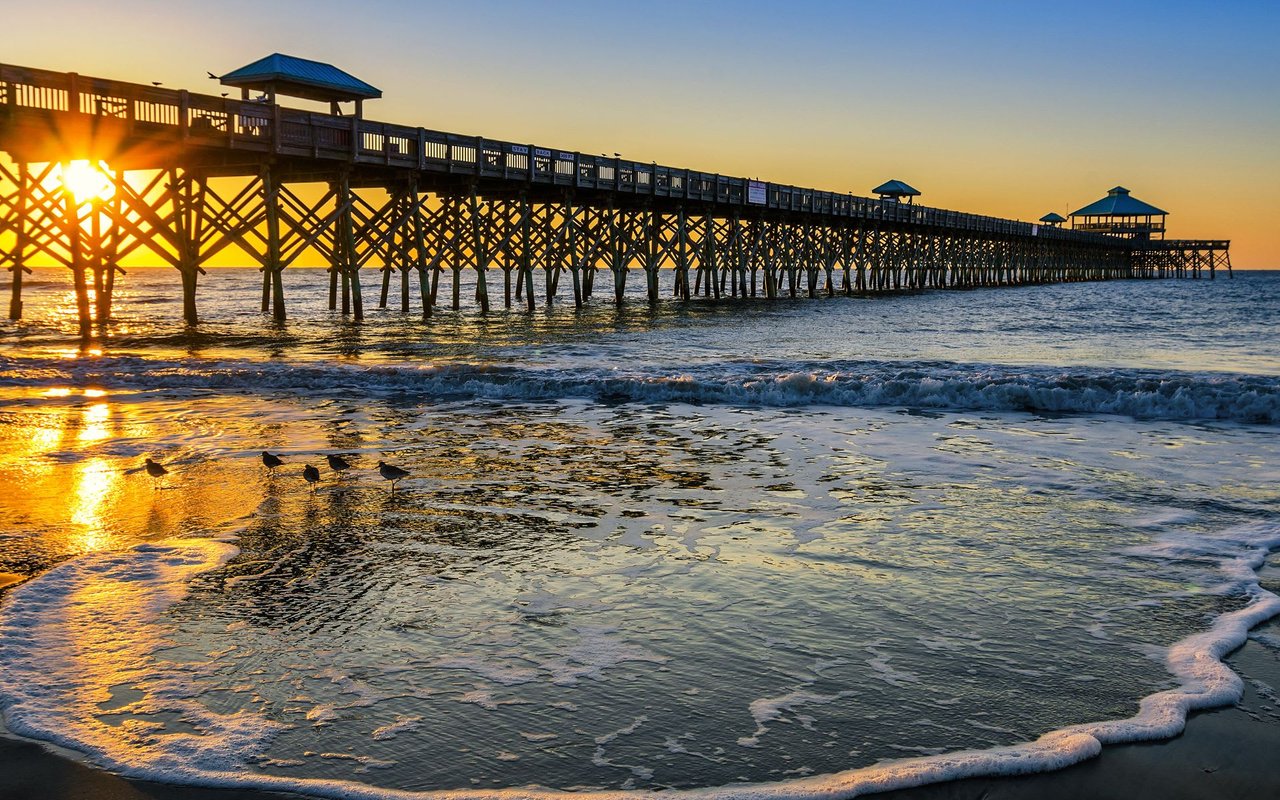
[[192, 175]]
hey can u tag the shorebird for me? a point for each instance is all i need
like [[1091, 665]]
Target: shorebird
[[270, 461], [312, 475], [338, 464], [392, 473], [156, 471]]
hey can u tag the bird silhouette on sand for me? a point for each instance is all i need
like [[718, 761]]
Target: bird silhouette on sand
[[338, 464], [270, 461], [156, 471], [312, 475], [392, 473]]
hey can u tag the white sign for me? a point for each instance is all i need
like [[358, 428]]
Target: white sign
[[757, 192], [1035, 230]]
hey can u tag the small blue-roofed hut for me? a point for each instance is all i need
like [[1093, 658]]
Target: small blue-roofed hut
[[278, 74], [895, 191], [1053, 219], [1121, 214]]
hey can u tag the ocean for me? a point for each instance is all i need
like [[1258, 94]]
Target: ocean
[[736, 549]]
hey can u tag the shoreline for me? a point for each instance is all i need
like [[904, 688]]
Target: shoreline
[[1223, 753]]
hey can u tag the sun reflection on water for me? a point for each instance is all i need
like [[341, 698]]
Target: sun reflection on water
[[94, 422], [44, 439], [81, 352], [96, 482]]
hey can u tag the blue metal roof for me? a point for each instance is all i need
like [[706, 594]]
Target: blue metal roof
[[1118, 203], [895, 189], [311, 79], [1053, 216]]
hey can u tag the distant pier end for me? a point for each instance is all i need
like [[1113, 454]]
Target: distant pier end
[[1123, 215], [104, 170]]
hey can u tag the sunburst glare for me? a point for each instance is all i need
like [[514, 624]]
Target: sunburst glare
[[86, 182]]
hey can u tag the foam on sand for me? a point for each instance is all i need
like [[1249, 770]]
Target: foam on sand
[[70, 640], [87, 631]]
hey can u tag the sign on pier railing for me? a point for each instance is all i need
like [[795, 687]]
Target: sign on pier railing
[[757, 193]]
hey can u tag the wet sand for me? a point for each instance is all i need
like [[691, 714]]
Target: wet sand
[[1223, 754]]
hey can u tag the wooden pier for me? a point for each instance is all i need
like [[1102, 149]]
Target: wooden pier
[[186, 176]]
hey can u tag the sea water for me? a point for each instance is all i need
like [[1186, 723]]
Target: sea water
[[740, 549]]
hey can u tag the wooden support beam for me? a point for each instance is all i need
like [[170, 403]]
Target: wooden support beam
[[652, 254], [183, 198], [18, 256], [571, 221], [273, 267], [479, 233], [615, 249], [420, 249], [553, 235], [526, 250], [682, 255]]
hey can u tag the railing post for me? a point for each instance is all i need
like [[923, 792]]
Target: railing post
[[73, 93]]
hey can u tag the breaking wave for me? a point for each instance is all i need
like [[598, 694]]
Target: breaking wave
[[1140, 394]]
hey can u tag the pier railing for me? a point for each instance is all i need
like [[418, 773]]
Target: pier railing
[[196, 120]]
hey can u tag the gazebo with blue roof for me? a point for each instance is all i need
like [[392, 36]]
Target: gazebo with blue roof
[[1121, 214], [278, 74], [895, 191]]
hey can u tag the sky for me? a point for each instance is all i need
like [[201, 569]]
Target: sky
[[1011, 109]]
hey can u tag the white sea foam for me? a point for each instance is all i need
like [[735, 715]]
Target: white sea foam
[[393, 729], [887, 672], [63, 654], [600, 760], [597, 649], [771, 709], [1142, 394], [498, 673]]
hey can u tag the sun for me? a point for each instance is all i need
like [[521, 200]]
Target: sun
[[87, 182]]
